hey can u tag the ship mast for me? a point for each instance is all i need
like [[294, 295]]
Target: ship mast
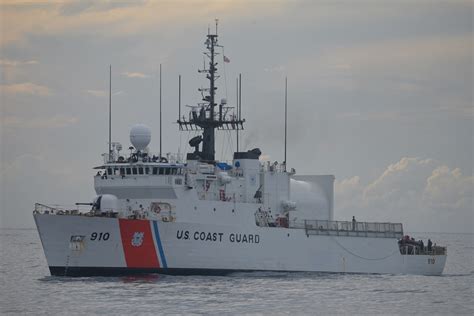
[[203, 116], [208, 142]]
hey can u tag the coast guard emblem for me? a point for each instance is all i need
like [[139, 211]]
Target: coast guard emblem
[[137, 239]]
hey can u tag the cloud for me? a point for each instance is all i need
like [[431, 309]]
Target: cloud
[[421, 193], [276, 68], [372, 116], [14, 63], [101, 93], [58, 121], [401, 183], [449, 189], [25, 88], [460, 109], [395, 52], [76, 7], [97, 93], [348, 192], [135, 75], [113, 18], [406, 65]]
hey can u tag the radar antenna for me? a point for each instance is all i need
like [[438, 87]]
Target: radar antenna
[[203, 116]]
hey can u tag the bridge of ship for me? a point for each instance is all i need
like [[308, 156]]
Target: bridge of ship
[[127, 169]]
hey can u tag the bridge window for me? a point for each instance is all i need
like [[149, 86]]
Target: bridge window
[[140, 170], [122, 171], [109, 171], [147, 170], [162, 171], [129, 171], [174, 171], [134, 170], [155, 170], [167, 171]]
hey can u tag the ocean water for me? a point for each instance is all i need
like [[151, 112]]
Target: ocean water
[[27, 288]]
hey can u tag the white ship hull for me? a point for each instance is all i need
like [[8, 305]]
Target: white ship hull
[[83, 246]]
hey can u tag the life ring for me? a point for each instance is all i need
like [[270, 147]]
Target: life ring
[[157, 209]]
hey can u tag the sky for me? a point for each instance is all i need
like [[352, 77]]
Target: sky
[[380, 94]]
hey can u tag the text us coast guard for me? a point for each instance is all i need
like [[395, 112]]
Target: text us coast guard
[[218, 236]]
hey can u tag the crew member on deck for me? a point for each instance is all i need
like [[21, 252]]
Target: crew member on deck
[[353, 223]]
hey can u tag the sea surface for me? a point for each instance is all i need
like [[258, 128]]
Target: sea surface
[[27, 288]]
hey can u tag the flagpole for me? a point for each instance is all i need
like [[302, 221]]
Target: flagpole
[[225, 60]]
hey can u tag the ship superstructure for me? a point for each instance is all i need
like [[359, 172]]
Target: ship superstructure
[[162, 214]]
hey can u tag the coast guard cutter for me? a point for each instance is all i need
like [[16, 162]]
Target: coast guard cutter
[[156, 214]]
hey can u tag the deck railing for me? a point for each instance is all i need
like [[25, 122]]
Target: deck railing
[[407, 249], [56, 209], [166, 214], [356, 229]]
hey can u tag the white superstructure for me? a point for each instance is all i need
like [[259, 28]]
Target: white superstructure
[[160, 214]]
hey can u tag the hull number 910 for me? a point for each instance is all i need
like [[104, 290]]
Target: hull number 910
[[100, 236]]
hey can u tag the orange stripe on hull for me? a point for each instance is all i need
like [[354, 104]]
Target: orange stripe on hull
[[138, 245]]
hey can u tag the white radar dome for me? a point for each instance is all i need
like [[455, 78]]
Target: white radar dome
[[140, 136]]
